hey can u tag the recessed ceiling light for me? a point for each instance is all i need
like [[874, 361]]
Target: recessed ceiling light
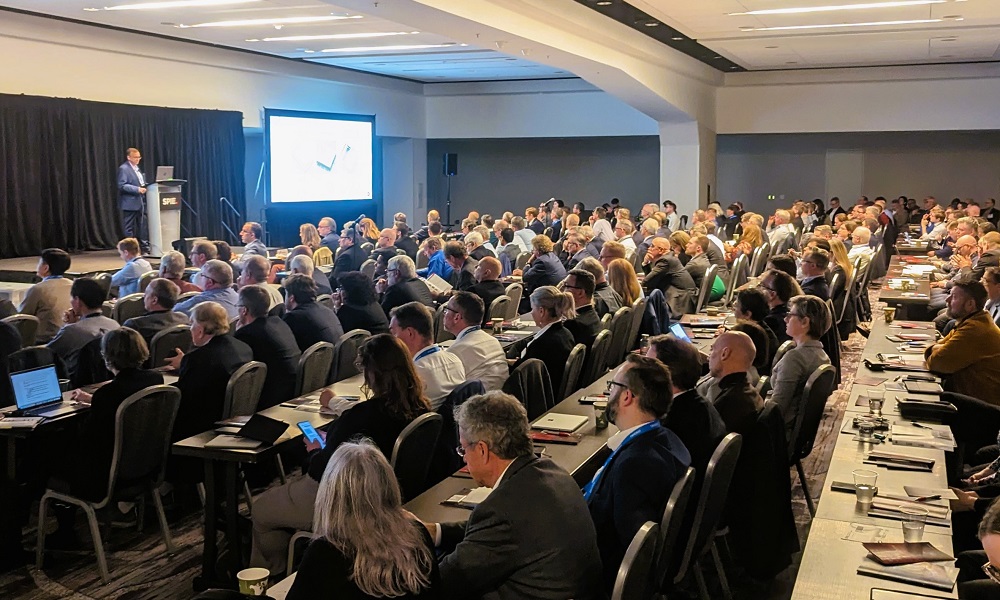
[[171, 4], [812, 9], [384, 48], [677, 38], [841, 25], [276, 21], [716, 57], [604, 3], [651, 23], [332, 36], [734, 67]]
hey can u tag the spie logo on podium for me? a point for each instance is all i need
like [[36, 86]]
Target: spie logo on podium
[[170, 202]]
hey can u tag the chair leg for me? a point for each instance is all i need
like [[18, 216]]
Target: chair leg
[[95, 532], [246, 490], [723, 581], [201, 493], [162, 517], [40, 545], [700, 578], [805, 487], [281, 468]]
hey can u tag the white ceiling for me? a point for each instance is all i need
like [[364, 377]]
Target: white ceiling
[[973, 38], [445, 60]]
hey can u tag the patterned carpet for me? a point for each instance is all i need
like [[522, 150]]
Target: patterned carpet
[[140, 569]]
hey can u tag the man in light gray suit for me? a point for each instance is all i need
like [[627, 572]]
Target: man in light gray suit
[[532, 537]]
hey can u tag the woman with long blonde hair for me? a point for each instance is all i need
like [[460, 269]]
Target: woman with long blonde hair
[[622, 279], [750, 240], [841, 264], [310, 236], [369, 230]]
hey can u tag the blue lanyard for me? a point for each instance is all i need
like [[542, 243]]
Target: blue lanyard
[[467, 331], [588, 490], [426, 352]]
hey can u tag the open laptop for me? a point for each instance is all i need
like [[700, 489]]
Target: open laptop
[[37, 393], [164, 173]]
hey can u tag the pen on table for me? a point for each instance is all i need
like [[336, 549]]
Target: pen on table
[[556, 433], [920, 425], [927, 498]]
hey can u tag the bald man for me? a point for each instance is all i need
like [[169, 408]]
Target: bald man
[[738, 402], [385, 248], [487, 286]]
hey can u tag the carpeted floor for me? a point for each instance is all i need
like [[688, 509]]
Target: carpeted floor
[[140, 569]]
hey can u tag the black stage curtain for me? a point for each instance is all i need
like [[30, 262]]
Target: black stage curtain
[[59, 159]]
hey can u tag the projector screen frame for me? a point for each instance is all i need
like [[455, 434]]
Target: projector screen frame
[[329, 116]]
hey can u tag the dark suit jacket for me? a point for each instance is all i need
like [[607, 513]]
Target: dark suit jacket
[[585, 326], [544, 270], [350, 259], [816, 287], [406, 244], [698, 424], [93, 454], [738, 403], [322, 282], [634, 489], [667, 272], [129, 197], [531, 538], [331, 241], [831, 214], [370, 317], [481, 252], [990, 258], [488, 291], [202, 381], [313, 322], [273, 344], [10, 342], [152, 323], [775, 319], [537, 226], [552, 348], [464, 278], [406, 291], [697, 267]]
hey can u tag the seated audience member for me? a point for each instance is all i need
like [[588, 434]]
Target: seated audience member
[[610, 251], [480, 353], [476, 246], [503, 550], [433, 249], [204, 372], [440, 371], [647, 230], [624, 281], [624, 231], [48, 299], [784, 263], [543, 269], [322, 281], [780, 232], [309, 236], [751, 305], [251, 235], [576, 250], [225, 253], [401, 285], [991, 281], [84, 470], [692, 417], [84, 323], [463, 273], [272, 343], [172, 269], [779, 287], [606, 299], [519, 225], [351, 254], [646, 460], [216, 278], [587, 323], [327, 230], [968, 357], [310, 321], [203, 251], [433, 217], [678, 242], [550, 308], [983, 583], [665, 273], [303, 264], [488, 286], [404, 241], [255, 272], [814, 263], [698, 263], [860, 239], [385, 247], [508, 250], [738, 402], [357, 305], [806, 321], [127, 279], [933, 227], [379, 553], [159, 300], [397, 397], [369, 231]]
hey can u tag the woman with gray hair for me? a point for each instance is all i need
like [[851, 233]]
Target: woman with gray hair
[[553, 342], [172, 269], [366, 546]]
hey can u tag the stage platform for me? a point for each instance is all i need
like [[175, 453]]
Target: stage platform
[[22, 270]]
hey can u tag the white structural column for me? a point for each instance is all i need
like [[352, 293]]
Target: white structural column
[[687, 165]]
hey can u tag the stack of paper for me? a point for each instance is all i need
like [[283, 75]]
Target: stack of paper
[[890, 508], [940, 576], [906, 433]]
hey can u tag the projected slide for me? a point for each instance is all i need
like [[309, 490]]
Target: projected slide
[[319, 157]]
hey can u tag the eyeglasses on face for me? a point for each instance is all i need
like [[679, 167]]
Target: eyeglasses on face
[[461, 449], [612, 383], [992, 572]]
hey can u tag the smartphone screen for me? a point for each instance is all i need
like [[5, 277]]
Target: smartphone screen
[[310, 432], [679, 332]]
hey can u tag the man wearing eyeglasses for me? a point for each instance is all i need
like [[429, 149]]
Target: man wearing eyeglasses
[[272, 342], [587, 323], [481, 353], [814, 263], [253, 246], [216, 279], [401, 285], [327, 229]]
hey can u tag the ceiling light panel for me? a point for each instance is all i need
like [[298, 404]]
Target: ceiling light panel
[[273, 21], [798, 10], [174, 4], [333, 36]]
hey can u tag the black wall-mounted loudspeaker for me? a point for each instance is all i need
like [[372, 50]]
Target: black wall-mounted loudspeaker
[[451, 165]]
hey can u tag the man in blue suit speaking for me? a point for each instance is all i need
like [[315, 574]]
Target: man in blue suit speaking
[[131, 190]]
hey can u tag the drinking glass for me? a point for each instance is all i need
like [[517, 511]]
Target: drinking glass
[[876, 399], [913, 523], [864, 485]]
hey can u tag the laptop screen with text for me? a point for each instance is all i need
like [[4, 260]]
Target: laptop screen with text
[[35, 387]]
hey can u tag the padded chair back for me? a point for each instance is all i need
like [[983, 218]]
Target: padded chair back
[[706, 287], [26, 325], [840, 308], [597, 359], [90, 365], [367, 247], [763, 386], [670, 528], [780, 352], [243, 390], [104, 280], [711, 501], [635, 326], [634, 580], [162, 346], [368, 268], [145, 278], [345, 353], [440, 333], [620, 324], [514, 291], [759, 259], [314, 368], [547, 232], [522, 259], [571, 374], [322, 257], [127, 307], [413, 452], [143, 425], [499, 307], [278, 310], [737, 277], [186, 295], [33, 357], [326, 300], [422, 260], [606, 321], [530, 383], [817, 390]]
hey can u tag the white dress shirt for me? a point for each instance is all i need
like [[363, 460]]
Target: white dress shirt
[[482, 356], [440, 371]]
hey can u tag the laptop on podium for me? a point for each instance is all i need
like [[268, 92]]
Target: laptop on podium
[[37, 393], [164, 174]]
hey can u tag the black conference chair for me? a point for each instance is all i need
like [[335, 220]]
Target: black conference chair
[[571, 374], [499, 307], [530, 383], [314, 368], [26, 325], [514, 291], [244, 389], [345, 353], [817, 390], [163, 344], [595, 365], [670, 529], [127, 307], [634, 580], [620, 325], [412, 454]]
